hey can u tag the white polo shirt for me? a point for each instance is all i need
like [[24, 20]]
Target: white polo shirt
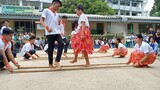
[[51, 21], [82, 18], [120, 45], [26, 47], [61, 27], [2, 45], [145, 47]]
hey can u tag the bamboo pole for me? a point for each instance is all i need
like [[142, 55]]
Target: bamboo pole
[[71, 68], [67, 69], [71, 65]]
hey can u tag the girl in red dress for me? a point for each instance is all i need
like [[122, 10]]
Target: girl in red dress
[[143, 53], [82, 41], [120, 50]]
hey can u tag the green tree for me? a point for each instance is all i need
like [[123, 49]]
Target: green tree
[[90, 6], [155, 9]]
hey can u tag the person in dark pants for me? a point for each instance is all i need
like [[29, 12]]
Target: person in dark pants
[[1, 58], [28, 49], [50, 20], [151, 33], [62, 23], [5, 50]]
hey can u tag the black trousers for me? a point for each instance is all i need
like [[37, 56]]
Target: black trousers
[[66, 41], [1, 58], [51, 39], [31, 52]]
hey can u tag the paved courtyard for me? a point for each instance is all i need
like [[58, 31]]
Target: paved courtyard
[[117, 78]]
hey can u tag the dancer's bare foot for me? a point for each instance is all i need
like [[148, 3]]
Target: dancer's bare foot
[[64, 54], [55, 53], [128, 63], [51, 66], [87, 65], [56, 64], [73, 61]]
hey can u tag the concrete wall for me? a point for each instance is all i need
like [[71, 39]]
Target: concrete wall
[[105, 28], [119, 27], [93, 25], [135, 28], [40, 33], [68, 28]]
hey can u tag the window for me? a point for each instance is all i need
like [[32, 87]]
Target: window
[[21, 26]]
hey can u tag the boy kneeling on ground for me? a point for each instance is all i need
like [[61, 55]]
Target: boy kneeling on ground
[[6, 54], [28, 49]]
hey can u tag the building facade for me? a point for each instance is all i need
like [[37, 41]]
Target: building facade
[[128, 7], [24, 17]]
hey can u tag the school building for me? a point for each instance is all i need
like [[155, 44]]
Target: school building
[[27, 19]]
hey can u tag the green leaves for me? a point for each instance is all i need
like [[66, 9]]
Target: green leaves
[[156, 9], [90, 7]]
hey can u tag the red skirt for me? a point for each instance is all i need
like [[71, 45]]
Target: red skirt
[[136, 56], [122, 52], [104, 48], [85, 44]]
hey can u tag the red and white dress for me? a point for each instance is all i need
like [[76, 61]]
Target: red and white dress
[[104, 47], [85, 44], [121, 50], [140, 52]]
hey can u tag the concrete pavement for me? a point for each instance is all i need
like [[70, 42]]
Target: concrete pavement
[[127, 78]]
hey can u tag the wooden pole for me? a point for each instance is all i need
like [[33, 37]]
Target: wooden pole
[[71, 65], [71, 68]]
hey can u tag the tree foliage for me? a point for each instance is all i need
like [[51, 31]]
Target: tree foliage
[[90, 7], [155, 9]]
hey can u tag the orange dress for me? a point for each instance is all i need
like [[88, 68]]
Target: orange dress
[[85, 44], [136, 56], [104, 48], [122, 52]]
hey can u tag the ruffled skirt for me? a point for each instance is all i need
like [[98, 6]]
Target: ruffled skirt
[[136, 56], [122, 52], [86, 44], [104, 48]]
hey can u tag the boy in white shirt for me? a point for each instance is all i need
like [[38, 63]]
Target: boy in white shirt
[[65, 40], [5, 50], [28, 49], [50, 20]]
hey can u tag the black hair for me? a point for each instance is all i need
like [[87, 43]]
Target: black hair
[[75, 24], [64, 17], [7, 31], [154, 38], [80, 7], [139, 36], [5, 21], [57, 1], [32, 37], [119, 40]]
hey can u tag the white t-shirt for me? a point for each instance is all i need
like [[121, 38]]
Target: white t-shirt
[[2, 45], [51, 21], [120, 45], [128, 38], [73, 32], [84, 19], [145, 47], [96, 42], [61, 27], [26, 47], [46, 47], [38, 43], [3, 28], [102, 42]]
